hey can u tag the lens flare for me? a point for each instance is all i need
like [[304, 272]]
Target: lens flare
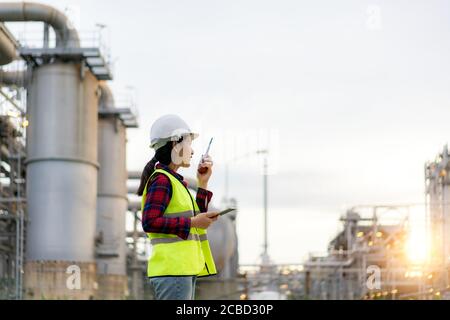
[[417, 246]]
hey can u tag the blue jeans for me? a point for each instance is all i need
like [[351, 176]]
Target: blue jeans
[[173, 288]]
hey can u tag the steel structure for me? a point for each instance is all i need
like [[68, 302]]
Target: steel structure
[[437, 198], [66, 163], [12, 192], [368, 260]]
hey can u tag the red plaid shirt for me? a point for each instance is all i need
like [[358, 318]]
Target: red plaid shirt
[[159, 193]]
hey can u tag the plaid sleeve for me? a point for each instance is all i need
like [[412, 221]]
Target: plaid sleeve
[[158, 197], [203, 198]]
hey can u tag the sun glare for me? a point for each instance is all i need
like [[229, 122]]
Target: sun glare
[[417, 248]]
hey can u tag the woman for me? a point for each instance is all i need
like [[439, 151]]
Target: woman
[[174, 222]]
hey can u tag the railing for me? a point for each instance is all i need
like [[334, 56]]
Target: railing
[[88, 39], [35, 39], [125, 98]]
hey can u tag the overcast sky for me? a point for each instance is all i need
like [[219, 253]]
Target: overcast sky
[[354, 96]]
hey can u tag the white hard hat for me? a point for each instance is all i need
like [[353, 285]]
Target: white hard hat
[[169, 127]]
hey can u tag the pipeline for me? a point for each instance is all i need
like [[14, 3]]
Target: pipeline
[[8, 46], [12, 78], [66, 36]]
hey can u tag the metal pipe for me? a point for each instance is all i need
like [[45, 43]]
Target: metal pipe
[[66, 36], [321, 264], [134, 174], [132, 189], [12, 78], [8, 46], [46, 35]]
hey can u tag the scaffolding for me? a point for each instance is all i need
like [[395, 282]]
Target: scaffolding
[[12, 191]]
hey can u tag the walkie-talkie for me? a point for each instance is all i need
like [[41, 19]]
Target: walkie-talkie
[[202, 170]]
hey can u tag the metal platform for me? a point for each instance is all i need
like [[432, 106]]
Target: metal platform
[[93, 58], [126, 115]]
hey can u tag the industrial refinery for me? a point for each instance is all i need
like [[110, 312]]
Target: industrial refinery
[[62, 133], [71, 222]]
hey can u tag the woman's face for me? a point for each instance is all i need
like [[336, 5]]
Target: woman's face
[[182, 152]]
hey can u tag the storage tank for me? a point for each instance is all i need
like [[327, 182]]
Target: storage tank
[[111, 200], [223, 240], [61, 182]]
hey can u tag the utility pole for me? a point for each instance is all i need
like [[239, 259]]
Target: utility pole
[[265, 206], [265, 255], [264, 152]]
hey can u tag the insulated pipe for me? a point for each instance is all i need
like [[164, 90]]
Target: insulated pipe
[[134, 175], [336, 264], [12, 78], [8, 46], [66, 36], [132, 189]]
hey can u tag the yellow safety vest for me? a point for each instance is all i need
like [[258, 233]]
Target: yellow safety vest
[[171, 255]]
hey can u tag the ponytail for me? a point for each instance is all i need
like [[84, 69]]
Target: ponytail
[[146, 173]]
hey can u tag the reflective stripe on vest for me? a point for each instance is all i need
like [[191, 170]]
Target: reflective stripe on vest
[[172, 255], [187, 214], [194, 237]]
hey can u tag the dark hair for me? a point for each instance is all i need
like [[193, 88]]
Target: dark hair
[[163, 155]]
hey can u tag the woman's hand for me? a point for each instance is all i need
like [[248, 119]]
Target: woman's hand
[[203, 178], [204, 220]]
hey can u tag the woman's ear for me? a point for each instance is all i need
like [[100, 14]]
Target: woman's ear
[[177, 147]]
